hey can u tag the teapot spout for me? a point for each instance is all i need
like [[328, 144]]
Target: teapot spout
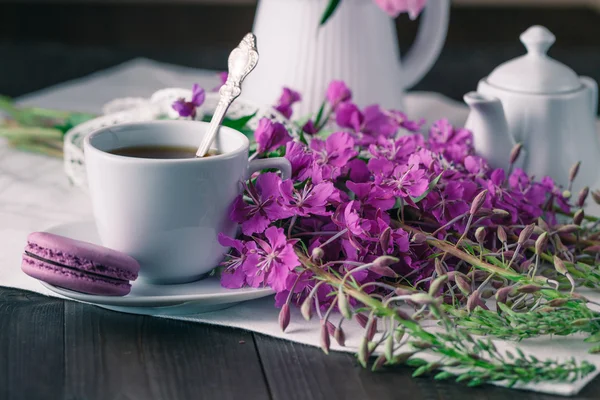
[[487, 122]]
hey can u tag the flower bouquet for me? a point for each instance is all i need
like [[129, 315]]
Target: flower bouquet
[[36, 129], [394, 228]]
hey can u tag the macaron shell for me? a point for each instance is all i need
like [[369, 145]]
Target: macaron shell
[[79, 281], [83, 256]]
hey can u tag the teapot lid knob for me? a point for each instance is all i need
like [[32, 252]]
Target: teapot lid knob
[[537, 40]]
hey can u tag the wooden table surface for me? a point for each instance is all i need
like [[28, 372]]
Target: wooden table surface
[[56, 349]]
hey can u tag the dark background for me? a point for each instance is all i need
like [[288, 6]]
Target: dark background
[[43, 43]]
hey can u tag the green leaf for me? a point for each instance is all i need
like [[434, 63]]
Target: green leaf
[[319, 115], [333, 4], [432, 185], [443, 376]]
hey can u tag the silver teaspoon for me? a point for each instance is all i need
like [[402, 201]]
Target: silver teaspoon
[[242, 61]]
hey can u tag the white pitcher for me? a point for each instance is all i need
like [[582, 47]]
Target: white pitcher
[[358, 44]]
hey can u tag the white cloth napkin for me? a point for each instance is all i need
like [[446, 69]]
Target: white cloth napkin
[[35, 194]]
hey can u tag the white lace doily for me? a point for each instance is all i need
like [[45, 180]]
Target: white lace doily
[[159, 105]]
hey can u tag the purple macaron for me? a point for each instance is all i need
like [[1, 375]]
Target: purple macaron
[[79, 266]]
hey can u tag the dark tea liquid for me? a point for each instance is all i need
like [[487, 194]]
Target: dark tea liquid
[[160, 152]]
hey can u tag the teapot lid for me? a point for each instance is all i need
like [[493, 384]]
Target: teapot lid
[[535, 72]]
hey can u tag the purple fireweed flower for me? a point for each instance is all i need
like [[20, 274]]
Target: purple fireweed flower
[[402, 121], [348, 115], [309, 200], [396, 7], [270, 135], [357, 171], [338, 92], [454, 144], [302, 289], [265, 207], [378, 123], [188, 108], [309, 128], [233, 276], [276, 258], [476, 165], [450, 201], [371, 197], [408, 181], [397, 149], [331, 155], [300, 159], [287, 99]]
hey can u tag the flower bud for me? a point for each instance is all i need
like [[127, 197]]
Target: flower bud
[[583, 194], [474, 301], [478, 202], [404, 291], [542, 224], [330, 327], [385, 261], [463, 284], [402, 358], [437, 284], [306, 308], [439, 267], [503, 293], [578, 217], [363, 351], [557, 302], [525, 234], [541, 243], [574, 170], [480, 235], [343, 304], [570, 228], [559, 265], [596, 196], [402, 315], [501, 213], [317, 254], [419, 238], [379, 363], [384, 239], [325, 340], [566, 194], [502, 235], [371, 328], [422, 299], [339, 336], [361, 319], [284, 317], [383, 271], [515, 152], [487, 293], [530, 288], [389, 347]]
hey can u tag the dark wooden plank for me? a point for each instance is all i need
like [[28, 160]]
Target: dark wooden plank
[[296, 371], [31, 346], [111, 355]]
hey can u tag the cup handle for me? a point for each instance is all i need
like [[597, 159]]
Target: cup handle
[[279, 163]]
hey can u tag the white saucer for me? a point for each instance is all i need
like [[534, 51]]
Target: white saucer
[[186, 299]]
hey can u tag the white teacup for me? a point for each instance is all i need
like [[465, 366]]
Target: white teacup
[[167, 213]]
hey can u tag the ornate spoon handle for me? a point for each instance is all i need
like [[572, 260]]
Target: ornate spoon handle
[[242, 61]]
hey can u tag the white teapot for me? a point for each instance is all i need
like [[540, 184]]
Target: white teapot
[[543, 104]]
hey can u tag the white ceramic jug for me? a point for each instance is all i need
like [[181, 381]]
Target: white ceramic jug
[[358, 44], [543, 104]]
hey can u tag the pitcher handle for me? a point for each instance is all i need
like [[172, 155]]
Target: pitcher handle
[[428, 43], [280, 163]]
